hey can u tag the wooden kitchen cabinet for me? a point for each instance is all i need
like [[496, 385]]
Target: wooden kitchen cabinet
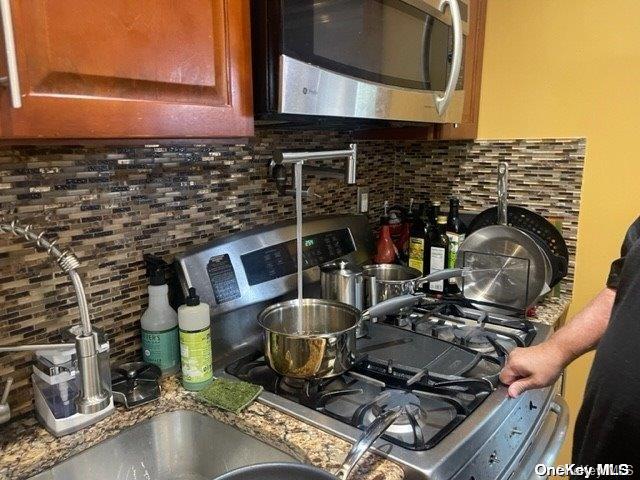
[[130, 69], [468, 127]]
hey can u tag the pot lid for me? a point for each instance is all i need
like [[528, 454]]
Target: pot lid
[[342, 267]]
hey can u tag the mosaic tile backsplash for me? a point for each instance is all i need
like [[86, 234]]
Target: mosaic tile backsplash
[[112, 204]]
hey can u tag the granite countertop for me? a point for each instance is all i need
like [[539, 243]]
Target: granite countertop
[[26, 448], [552, 310]]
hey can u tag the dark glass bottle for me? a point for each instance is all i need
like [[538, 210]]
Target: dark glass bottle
[[409, 220], [438, 254], [456, 230], [434, 212], [454, 222], [422, 236], [417, 247]]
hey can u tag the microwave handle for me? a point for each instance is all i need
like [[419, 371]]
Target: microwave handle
[[442, 102], [11, 79]]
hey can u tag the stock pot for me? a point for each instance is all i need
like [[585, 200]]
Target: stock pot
[[316, 338]]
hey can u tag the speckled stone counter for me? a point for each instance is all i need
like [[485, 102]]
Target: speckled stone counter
[[26, 448], [552, 311]]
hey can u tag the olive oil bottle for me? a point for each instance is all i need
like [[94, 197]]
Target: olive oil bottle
[[438, 254]]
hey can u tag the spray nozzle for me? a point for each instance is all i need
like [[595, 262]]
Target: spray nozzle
[[156, 269]]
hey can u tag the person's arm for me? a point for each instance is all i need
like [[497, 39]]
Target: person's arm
[[541, 365]]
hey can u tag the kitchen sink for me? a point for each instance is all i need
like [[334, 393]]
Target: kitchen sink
[[179, 445]]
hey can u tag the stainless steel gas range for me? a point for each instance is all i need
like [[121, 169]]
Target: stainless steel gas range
[[442, 357]]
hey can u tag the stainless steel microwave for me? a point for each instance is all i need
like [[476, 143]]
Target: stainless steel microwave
[[395, 60]]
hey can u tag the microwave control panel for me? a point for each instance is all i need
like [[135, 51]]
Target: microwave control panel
[[280, 260]]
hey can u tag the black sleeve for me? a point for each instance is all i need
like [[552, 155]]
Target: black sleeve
[[632, 236]]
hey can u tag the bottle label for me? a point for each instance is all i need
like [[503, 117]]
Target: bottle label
[[195, 350], [416, 253], [455, 240], [437, 263], [161, 348]]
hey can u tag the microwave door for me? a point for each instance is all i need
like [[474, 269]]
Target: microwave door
[[376, 59]]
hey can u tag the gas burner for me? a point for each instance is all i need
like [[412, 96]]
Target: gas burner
[[412, 415], [436, 328], [476, 338], [486, 333], [421, 423], [295, 386], [401, 320]]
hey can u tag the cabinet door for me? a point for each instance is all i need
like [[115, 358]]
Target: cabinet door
[[130, 68]]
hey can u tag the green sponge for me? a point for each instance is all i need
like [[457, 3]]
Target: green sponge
[[231, 395]]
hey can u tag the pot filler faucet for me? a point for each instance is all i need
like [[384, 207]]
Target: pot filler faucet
[[277, 170], [277, 167], [93, 397]]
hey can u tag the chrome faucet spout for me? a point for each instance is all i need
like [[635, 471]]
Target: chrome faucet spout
[[93, 397], [67, 261]]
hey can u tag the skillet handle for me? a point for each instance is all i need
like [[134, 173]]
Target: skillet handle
[[373, 432], [391, 306], [503, 179]]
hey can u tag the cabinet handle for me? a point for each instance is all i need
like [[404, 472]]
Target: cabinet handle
[[11, 80], [442, 102]]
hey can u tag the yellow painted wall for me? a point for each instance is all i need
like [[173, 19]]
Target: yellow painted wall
[[571, 68]]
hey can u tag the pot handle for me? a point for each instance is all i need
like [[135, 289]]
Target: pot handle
[[445, 274], [392, 305], [373, 432]]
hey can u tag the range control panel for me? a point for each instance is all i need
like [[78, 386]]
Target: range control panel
[[281, 260], [223, 279]]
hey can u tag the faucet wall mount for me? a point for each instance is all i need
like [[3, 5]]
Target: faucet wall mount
[[282, 166]]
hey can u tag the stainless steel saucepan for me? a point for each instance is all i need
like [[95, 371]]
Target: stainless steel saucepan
[[317, 338], [385, 280]]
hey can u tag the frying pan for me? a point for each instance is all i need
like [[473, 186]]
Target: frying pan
[[502, 241], [541, 230]]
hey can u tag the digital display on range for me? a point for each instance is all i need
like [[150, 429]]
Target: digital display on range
[[280, 260]]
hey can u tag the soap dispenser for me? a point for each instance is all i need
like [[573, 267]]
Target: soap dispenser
[[160, 344]]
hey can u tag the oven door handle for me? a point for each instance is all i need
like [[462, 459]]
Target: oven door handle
[[442, 102], [560, 408]]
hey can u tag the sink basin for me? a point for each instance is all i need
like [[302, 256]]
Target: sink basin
[[179, 445]]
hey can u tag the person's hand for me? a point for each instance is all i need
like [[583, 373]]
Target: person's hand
[[533, 367]]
